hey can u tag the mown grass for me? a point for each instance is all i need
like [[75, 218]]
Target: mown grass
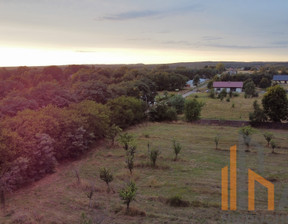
[[195, 178], [223, 110]]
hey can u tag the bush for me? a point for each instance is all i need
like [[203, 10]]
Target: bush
[[128, 194], [235, 94], [176, 201], [126, 111], [171, 114], [177, 148], [162, 112], [258, 114], [264, 83], [177, 102], [273, 146], [154, 153], [216, 140], [106, 176], [222, 94], [246, 133], [268, 137], [192, 109], [125, 139], [212, 93]]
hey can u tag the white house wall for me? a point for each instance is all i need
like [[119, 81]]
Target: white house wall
[[238, 90]]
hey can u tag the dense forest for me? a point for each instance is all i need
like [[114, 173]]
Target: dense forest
[[53, 113]]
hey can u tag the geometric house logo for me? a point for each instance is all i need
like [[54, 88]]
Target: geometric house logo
[[252, 177]]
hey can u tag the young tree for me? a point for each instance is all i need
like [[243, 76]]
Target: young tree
[[130, 163], [128, 194], [154, 153], [126, 139], [268, 137], [106, 176], [192, 109], [216, 140], [275, 104], [246, 133], [90, 195], [177, 148], [130, 157], [112, 132], [273, 146]]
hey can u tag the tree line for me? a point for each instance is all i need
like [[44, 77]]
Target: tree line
[[55, 113]]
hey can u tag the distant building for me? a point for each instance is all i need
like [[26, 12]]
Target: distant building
[[280, 79], [191, 84], [232, 71], [229, 86]]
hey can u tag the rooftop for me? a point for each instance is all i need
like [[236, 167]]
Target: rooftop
[[280, 78], [228, 84]]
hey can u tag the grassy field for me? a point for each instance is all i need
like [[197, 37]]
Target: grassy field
[[223, 110], [195, 177]]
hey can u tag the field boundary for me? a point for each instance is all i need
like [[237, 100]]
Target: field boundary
[[235, 123]]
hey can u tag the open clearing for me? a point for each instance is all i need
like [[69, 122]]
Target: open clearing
[[196, 177], [223, 110]]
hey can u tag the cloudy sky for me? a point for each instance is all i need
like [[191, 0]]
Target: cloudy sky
[[43, 32]]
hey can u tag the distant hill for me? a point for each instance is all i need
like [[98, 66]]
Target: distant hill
[[193, 65]]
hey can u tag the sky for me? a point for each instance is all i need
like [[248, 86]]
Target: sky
[[57, 32]]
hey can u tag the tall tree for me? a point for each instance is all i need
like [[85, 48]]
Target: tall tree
[[275, 104]]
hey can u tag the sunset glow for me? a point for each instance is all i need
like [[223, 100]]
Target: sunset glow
[[97, 32]]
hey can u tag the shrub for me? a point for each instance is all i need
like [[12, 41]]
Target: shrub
[[125, 139], [112, 132], [258, 114], [192, 109], [128, 194], [268, 137], [177, 148], [212, 93], [227, 99], [130, 157], [106, 176], [176, 201], [235, 94], [162, 112], [171, 114], [273, 146], [216, 140], [177, 102], [85, 219], [154, 153], [126, 111], [246, 133], [222, 94]]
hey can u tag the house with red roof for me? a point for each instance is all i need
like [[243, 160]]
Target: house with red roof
[[228, 86]]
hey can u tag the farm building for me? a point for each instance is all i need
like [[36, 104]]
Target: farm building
[[229, 86], [280, 79]]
